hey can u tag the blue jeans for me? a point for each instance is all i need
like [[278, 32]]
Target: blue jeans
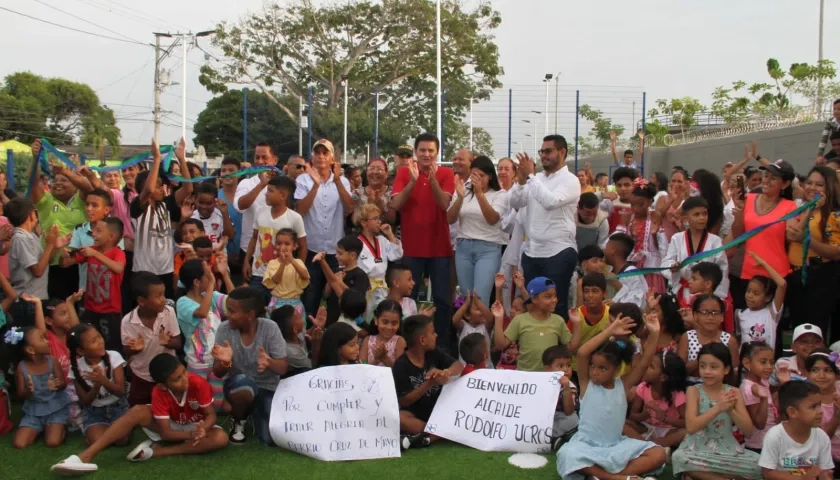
[[312, 294], [261, 406], [438, 270], [559, 269], [476, 263]]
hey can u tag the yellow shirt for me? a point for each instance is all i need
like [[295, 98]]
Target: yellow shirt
[[291, 284], [832, 232], [588, 331]]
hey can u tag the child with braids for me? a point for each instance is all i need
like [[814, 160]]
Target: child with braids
[[756, 368], [644, 226], [40, 384], [599, 449], [658, 411], [99, 377]]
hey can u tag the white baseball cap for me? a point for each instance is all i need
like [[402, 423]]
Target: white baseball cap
[[806, 328]]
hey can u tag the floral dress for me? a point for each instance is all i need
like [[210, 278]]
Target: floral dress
[[714, 449], [360, 196]]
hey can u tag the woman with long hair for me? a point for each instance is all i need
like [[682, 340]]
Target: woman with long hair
[[812, 304], [708, 185], [479, 209]]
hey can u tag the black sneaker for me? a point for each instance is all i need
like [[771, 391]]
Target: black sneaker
[[414, 441], [236, 434]]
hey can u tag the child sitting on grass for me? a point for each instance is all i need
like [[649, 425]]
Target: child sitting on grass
[[474, 351], [148, 330], [536, 330], [350, 277], [418, 376], [806, 338], [797, 448], [340, 346], [558, 358], [658, 411], [707, 317], [40, 384], [294, 332], [250, 355], [188, 425], [509, 356], [474, 317]]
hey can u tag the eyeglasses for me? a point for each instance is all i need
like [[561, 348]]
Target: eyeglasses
[[710, 313], [373, 219], [298, 166], [375, 169], [546, 151]]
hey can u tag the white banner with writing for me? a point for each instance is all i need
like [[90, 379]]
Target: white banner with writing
[[498, 410], [349, 412]]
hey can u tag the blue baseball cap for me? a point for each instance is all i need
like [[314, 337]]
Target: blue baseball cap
[[538, 285]]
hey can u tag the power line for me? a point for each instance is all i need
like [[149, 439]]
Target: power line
[[74, 29], [124, 77], [86, 20]]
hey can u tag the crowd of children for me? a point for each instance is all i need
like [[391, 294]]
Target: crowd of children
[[654, 367]]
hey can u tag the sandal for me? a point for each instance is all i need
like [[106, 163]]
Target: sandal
[[73, 466], [141, 452]]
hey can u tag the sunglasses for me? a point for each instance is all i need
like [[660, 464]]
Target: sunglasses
[[298, 166]]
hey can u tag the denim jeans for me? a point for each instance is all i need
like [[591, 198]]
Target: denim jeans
[[312, 294], [261, 406], [477, 262], [559, 269], [438, 270]]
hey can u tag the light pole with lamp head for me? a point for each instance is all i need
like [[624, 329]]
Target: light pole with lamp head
[[344, 153], [556, 97], [547, 80]]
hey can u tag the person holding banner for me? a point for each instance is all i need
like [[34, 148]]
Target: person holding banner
[[599, 449]]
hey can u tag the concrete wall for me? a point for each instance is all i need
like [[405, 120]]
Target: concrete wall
[[797, 145]]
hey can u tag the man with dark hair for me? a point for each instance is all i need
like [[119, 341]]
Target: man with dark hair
[[250, 193], [227, 192], [294, 166], [592, 225], [422, 192], [628, 160], [832, 126], [551, 197]]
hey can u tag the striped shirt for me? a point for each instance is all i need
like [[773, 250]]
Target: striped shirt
[[153, 244]]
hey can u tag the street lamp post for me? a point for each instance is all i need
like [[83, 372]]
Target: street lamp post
[[556, 97], [344, 153], [471, 123], [547, 80]]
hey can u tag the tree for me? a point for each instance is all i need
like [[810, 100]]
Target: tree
[[387, 45], [601, 126], [98, 129], [33, 106], [656, 134], [219, 126], [682, 111], [775, 97]]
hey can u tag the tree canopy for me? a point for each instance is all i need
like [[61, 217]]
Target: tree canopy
[[387, 46], [62, 110]]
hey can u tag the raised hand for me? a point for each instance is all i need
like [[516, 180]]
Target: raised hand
[[223, 354], [641, 134], [188, 207], [760, 392], [652, 323], [612, 135], [433, 171], [427, 310], [181, 149], [519, 280], [498, 310], [320, 319], [652, 299], [499, 282], [316, 178], [136, 344], [526, 166], [574, 316], [36, 148], [222, 205], [783, 373], [336, 171], [263, 360], [30, 299], [386, 230], [475, 182], [318, 257], [413, 170], [688, 316], [460, 188], [75, 297], [164, 337], [622, 325], [53, 384]]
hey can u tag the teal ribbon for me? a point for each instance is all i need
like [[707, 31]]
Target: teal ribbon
[[135, 160], [700, 256]]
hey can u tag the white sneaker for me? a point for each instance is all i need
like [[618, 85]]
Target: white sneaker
[[73, 466], [236, 435]]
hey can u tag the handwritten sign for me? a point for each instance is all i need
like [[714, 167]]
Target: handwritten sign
[[338, 413], [498, 411]]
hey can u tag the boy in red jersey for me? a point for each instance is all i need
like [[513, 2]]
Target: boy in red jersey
[[181, 414]]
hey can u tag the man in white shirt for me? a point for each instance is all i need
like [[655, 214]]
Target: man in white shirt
[[250, 197], [551, 197], [323, 199]]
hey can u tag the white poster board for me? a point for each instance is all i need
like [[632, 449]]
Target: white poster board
[[338, 413], [498, 410]]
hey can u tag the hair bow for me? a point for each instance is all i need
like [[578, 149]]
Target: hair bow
[[640, 182], [13, 336], [621, 344], [694, 190]]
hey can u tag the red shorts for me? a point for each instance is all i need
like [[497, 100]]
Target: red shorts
[[140, 391]]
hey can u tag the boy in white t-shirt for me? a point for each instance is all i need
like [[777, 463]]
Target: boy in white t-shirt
[[797, 447], [558, 358], [213, 213]]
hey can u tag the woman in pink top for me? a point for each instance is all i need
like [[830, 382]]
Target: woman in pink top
[[774, 202]]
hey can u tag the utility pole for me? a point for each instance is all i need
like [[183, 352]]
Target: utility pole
[[158, 88], [820, 53]]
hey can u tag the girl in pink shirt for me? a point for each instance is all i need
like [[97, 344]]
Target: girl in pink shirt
[[756, 368], [658, 411], [823, 372]]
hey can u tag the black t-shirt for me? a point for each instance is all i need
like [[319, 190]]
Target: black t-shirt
[[408, 377], [173, 207], [355, 279]]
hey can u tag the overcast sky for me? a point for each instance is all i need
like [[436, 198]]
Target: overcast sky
[[610, 50]]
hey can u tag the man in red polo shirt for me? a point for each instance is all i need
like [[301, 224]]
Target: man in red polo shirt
[[421, 193]]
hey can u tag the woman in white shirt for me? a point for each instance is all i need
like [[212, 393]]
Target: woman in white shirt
[[479, 210]]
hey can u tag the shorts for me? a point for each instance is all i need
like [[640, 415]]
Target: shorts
[[654, 433], [215, 382], [276, 303], [260, 407], [140, 391], [103, 415], [40, 422], [564, 424], [422, 416]]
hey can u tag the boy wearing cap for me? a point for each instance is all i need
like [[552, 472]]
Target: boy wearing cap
[[535, 330], [806, 339]]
